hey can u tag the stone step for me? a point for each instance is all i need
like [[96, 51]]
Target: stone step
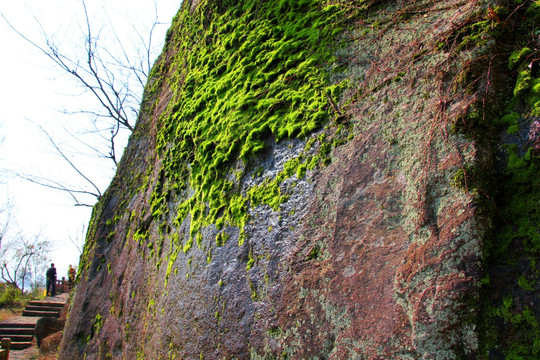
[[42, 308], [20, 345], [39, 313], [56, 304], [17, 325], [21, 330], [16, 331], [18, 338]]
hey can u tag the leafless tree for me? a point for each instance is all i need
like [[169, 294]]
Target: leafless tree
[[73, 190], [114, 76], [78, 240], [22, 258]]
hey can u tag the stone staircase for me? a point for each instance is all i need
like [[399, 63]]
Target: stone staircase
[[21, 330], [21, 334], [43, 308]]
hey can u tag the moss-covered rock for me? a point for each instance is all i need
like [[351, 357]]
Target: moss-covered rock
[[324, 180]]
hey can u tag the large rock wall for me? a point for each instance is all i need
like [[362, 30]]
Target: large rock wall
[[318, 181]]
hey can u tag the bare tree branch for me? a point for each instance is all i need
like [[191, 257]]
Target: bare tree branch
[[98, 149], [103, 88], [77, 240], [51, 184], [23, 258], [112, 75], [72, 165]]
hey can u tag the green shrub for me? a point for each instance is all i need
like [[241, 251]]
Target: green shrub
[[12, 297], [9, 296]]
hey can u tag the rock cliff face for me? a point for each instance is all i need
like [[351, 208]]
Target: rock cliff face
[[324, 180]]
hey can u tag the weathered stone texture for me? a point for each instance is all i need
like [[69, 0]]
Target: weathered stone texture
[[375, 256]]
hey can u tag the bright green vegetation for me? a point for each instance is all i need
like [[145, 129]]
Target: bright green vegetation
[[97, 324], [246, 74], [12, 297]]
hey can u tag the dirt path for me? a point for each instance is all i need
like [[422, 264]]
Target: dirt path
[[26, 354]]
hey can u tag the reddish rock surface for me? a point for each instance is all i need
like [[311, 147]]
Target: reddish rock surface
[[374, 256]]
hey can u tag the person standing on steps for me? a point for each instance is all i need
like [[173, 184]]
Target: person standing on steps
[[51, 281], [71, 276]]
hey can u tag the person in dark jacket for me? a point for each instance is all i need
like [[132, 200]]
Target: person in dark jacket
[[51, 281]]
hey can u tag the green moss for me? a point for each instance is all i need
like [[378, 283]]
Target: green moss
[[514, 129], [251, 77], [97, 324], [510, 120], [521, 210], [251, 261], [172, 258], [527, 346], [466, 179], [187, 245], [474, 35], [151, 305], [509, 329], [199, 239], [524, 82], [269, 193], [140, 236], [301, 171], [91, 239], [221, 238], [399, 76], [525, 284], [533, 100], [253, 288], [517, 57], [314, 253]]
